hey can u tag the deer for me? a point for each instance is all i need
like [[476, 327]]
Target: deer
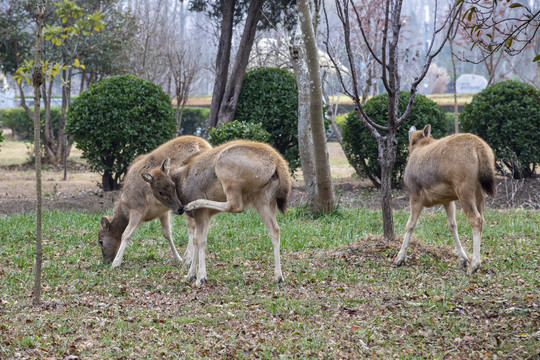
[[441, 171], [227, 178], [137, 203]]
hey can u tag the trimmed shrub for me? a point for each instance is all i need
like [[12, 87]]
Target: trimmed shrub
[[22, 126], [507, 116], [117, 119], [361, 148], [269, 96], [238, 130], [194, 120]]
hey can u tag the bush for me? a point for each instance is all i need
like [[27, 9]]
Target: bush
[[22, 126], [506, 116], [116, 120], [269, 96], [361, 147], [238, 130], [194, 120]]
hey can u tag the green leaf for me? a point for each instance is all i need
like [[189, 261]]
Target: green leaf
[[515, 5], [536, 58]]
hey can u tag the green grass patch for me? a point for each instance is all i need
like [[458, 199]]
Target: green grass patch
[[341, 298]]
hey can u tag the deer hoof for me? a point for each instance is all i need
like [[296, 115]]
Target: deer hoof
[[399, 262], [189, 278], [200, 282], [279, 279], [463, 263]]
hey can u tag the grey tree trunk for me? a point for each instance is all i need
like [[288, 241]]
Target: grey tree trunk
[[227, 108], [37, 79], [305, 135], [325, 191], [222, 64]]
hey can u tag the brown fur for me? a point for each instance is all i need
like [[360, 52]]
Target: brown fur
[[229, 178], [457, 167], [137, 203]]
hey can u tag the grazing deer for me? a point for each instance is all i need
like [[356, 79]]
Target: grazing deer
[[457, 167], [227, 178], [138, 204]]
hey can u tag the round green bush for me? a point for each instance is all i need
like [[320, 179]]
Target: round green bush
[[507, 116], [116, 120], [361, 148], [238, 130], [269, 96]]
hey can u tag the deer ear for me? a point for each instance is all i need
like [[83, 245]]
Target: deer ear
[[147, 177], [166, 165], [105, 222], [427, 130]]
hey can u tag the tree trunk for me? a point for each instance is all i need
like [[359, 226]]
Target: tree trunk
[[37, 81], [387, 156], [227, 108], [305, 135], [108, 182], [222, 63], [454, 82], [325, 191]]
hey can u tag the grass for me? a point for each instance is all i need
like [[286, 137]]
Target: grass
[[341, 297]]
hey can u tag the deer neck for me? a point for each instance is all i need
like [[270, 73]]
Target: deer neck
[[119, 222]]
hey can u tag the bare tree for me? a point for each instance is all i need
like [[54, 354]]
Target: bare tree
[[37, 79], [387, 56]]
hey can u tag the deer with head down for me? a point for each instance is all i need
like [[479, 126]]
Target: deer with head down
[[441, 171], [227, 178], [138, 204]]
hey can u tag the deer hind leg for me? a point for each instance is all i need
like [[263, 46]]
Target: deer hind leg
[[135, 220], [188, 254], [451, 220], [268, 215], [416, 209], [197, 269], [233, 204], [165, 220], [469, 205]]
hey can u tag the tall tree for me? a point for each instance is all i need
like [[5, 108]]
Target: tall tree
[[386, 53], [37, 79], [325, 192]]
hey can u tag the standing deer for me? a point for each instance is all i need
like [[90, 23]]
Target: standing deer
[[227, 178], [138, 204], [457, 167]]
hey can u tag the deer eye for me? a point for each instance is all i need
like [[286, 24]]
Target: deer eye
[[161, 193]]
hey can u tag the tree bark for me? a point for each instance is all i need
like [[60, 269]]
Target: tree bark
[[305, 135], [227, 108], [37, 81], [325, 191], [387, 156], [454, 85], [222, 64]]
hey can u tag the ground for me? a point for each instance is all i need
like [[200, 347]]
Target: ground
[[81, 190]]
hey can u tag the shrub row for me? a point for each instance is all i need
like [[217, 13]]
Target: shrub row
[[20, 123]]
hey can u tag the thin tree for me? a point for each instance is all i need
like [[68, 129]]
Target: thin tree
[[388, 59], [37, 79]]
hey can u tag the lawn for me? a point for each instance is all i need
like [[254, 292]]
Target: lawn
[[341, 297]]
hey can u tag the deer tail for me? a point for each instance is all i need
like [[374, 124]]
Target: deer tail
[[285, 184], [486, 174]]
